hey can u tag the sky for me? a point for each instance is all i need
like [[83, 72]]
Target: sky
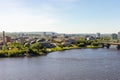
[[62, 16]]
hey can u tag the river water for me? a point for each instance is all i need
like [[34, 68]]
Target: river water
[[77, 64]]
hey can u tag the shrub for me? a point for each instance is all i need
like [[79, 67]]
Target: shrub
[[95, 44], [82, 45], [3, 53]]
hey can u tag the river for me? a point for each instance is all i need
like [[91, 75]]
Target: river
[[77, 64]]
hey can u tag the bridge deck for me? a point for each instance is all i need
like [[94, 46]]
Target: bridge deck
[[111, 43]]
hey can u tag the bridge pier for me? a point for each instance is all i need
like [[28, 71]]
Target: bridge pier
[[118, 46], [103, 45], [107, 46]]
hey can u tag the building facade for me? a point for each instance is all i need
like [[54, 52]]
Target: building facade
[[7, 39], [119, 35], [98, 35], [114, 36]]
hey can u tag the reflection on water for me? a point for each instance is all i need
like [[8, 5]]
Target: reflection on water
[[78, 64]]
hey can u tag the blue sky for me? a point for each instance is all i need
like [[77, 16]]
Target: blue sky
[[63, 16]]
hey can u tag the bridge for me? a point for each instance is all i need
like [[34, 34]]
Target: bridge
[[108, 44]]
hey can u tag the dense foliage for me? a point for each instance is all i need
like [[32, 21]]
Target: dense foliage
[[35, 49]]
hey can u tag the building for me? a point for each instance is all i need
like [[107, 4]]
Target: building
[[119, 35], [47, 45], [7, 39], [68, 42], [54, 35], [43, 35], [90, 37], [21, 40], [98, 35], [21, 34], [4, 38], [114, 36]]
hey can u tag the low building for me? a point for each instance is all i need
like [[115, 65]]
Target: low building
[[69, 42], [41, 40], [20, 40], [90, 38], [58, 39], [47, 45], [7, 39]]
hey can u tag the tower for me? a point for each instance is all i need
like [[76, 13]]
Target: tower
[[119, 35], [4, 38], [114, 36], [43, 35], [98, 35]]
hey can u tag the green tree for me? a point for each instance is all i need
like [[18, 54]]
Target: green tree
[[4, 47], [15, 45], [36, 46], [82, 45], [95, 44]]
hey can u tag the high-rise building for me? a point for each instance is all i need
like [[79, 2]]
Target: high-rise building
[[43, 35], [119, 35], [4, 38], [53, 34], [114, 36], [98, 35], [21, 35]]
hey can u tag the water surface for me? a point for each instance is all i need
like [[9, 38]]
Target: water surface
[[77, 64]]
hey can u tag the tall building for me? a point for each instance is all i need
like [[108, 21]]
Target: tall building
[[21, 35], [4, 38], [114, 36], [119, 35], [43, 35], [22, 40], [98, 35], [53, 34]]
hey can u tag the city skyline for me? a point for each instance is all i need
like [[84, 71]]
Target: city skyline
[[62, 16]]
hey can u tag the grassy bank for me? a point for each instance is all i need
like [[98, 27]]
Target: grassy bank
[[38, 51]]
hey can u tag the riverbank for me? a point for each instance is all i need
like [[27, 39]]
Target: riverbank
[[40, 52]]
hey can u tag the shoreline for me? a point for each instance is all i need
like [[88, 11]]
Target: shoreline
[[17, 54]]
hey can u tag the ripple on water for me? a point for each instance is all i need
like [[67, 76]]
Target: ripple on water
[[77, 64]]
